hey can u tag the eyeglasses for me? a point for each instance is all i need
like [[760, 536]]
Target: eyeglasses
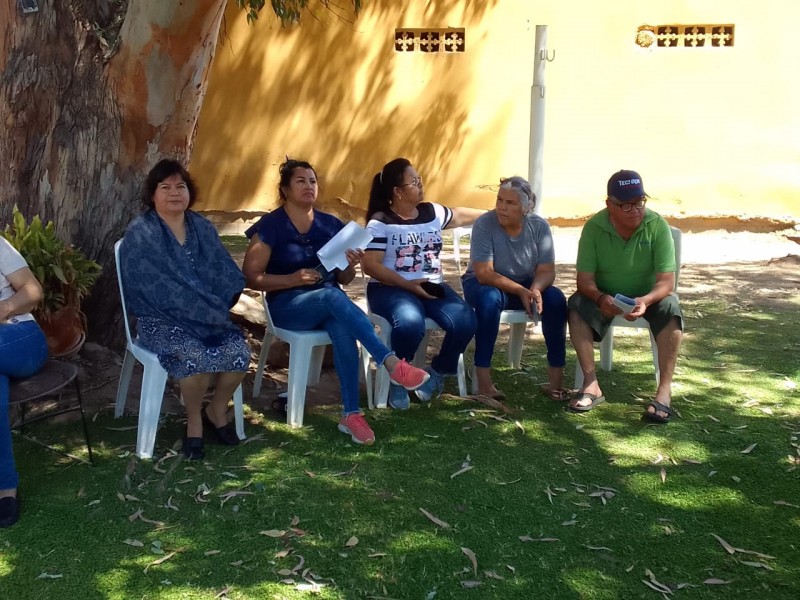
[[416, 182], [628, 206]]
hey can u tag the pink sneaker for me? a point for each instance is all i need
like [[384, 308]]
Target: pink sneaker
[[356, 425], [409, 376]]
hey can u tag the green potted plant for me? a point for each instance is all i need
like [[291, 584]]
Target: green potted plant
[[66, 276]]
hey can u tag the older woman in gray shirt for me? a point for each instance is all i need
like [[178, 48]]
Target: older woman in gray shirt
[[512, 267]]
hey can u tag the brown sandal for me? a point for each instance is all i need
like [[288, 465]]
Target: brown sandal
[[562, 395]]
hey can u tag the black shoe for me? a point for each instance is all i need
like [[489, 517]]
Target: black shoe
[[9, 511], [193, 448], [225, 435]]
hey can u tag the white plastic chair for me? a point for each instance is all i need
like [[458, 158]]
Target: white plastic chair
[[306, 353], [518, 320], [154, 381], [607, 343]]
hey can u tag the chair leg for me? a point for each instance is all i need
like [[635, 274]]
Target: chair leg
[[462, 377], [298, 381], [315, 365], [516, 338], [607, 350], [83, 420], [421, 356], [381, 387], [238, 412], [124, 381], [153, 384], [578, 375], [262, 361], [365, 373]]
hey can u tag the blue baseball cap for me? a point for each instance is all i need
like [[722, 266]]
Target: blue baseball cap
[[625, 186]]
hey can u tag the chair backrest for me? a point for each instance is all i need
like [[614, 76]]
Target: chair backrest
[[458, 233], [117, 247], [676, 240]]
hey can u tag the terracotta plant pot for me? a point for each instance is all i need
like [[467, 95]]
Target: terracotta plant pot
[[64, 330]]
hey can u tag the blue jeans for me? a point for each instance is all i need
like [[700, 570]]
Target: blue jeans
[[330, 309], [489, 302], [406, 313], [23, 351]]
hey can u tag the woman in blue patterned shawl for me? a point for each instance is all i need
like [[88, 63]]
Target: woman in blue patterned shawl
[[180, 282]]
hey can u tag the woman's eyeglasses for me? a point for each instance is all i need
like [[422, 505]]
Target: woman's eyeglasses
[[416, 182]]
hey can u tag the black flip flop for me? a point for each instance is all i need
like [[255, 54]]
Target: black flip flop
[[586, 396], [653, 417]]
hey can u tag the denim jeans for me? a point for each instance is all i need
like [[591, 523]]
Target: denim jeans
[[489, 302], [406, 313], [23, 351], [330, 309]]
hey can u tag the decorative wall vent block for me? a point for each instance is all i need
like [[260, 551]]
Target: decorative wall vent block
[[447, 40], [685, 36]]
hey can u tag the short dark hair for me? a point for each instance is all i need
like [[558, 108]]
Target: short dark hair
[[286, 171], [164, 169], [383, 184]]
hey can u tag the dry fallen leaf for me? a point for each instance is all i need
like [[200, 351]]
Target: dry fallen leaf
[[784, 503], [472, 558], [663, 475], [164, 558], [714, 581], [749, 449], [134, 543], [461, 471], [736, 479], [273, 533], [435, 519], [598, 548], [211, 552], [493, 575], [655, 585], [758, 565], [470, 584], [728, 548], [527, 538], [352, 541]]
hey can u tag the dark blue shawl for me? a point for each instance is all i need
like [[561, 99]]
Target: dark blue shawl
[[192, 287]]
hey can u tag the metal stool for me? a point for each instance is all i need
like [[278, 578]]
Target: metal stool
[[49, 381]]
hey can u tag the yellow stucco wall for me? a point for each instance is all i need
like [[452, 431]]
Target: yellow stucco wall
[[713, 131]]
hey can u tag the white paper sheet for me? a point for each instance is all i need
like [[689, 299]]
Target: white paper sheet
[[332, 255]]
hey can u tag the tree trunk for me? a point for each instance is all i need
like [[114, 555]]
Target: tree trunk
[[88, 107]]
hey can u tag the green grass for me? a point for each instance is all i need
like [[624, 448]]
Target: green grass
[[733, 389]]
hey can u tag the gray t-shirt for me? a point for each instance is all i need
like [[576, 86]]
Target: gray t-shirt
[[512, 257]]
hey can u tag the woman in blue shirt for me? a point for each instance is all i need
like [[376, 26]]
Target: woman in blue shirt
[[282, 261]]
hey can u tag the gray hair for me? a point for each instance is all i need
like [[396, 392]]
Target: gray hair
[[526, 196]]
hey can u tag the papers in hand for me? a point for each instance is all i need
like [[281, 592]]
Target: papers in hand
[[332, 255], [624, 303]]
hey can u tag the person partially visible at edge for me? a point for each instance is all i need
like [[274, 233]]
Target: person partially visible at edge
[[628, 249], [402, 260], [512, 267], [180, 283], [282, 261], [23, 351]]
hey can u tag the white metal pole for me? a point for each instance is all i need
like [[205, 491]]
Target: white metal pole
[[540, 59]]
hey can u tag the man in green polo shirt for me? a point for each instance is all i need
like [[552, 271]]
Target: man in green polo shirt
[[626, 249]]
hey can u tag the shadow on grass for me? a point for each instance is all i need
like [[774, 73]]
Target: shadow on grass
[[604, 497]]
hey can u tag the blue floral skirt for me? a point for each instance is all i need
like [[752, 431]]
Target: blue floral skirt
[[182, 355]]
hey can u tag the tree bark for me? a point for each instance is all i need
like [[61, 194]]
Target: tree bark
[[88, 107]]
